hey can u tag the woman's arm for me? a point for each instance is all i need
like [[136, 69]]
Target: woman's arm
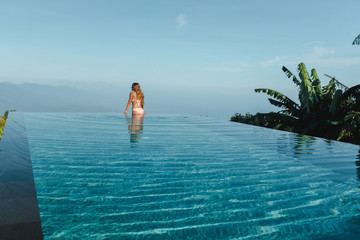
[[129, 102]]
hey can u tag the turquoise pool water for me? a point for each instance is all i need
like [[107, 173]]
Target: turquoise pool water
[[105, 176]]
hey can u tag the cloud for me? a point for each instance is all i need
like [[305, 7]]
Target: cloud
[[317, 56], [227, 67], [334, 62], [181, 21], [320, 52], [271, 62], [326, 57]]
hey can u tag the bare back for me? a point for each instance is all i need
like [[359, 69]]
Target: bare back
[[136, 103]]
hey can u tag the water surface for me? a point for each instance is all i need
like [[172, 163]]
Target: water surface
[[105, 176]]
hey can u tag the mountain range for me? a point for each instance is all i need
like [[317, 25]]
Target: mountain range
[[31, 97]]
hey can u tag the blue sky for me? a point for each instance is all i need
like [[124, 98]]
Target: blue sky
[[189, 56]]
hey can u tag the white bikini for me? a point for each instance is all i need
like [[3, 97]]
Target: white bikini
[[137, 110]]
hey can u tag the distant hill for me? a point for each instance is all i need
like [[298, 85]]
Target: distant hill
[[45, 98]]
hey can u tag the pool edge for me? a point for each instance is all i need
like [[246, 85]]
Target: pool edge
[[19, 217]]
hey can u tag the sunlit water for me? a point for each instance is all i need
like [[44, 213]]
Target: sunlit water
[[105, 176]]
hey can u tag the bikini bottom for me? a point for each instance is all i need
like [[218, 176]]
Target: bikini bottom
[[138, 111]]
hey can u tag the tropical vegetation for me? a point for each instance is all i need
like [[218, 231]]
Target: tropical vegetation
[[331, 111], [2, 122], [356, 40]]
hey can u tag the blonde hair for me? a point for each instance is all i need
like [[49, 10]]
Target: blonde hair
[[139, 94]]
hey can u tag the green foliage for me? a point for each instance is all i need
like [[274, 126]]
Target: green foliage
[[289, 75], [270, 120], [308, 97], [351, 129], [324, 111], [281, 101], [350, 100], [316, 83], [356, 40], [334, 106], [2, 122]]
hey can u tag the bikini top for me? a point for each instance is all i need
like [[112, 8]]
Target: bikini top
[[137, 102]]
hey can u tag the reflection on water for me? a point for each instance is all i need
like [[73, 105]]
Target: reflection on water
[[135, 126], [303, 145], [297, 144], [323, 153]]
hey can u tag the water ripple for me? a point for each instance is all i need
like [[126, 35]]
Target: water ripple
[[188, 177]]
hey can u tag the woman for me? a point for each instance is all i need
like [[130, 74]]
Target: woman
[[137, 100]]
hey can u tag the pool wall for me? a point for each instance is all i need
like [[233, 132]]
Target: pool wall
[[19, 212]]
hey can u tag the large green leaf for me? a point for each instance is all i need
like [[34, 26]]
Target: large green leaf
[[329, 89], [279, 96], [307, 94], [288, 107], [356, 40], [290, 74], [270, 92], [316, 83], [335, 102]]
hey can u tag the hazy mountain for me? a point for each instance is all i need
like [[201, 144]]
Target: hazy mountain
[[45, 98]]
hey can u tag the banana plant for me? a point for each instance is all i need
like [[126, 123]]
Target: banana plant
[[317, 100], [335, 103], [310, 93], [318, 105], [307, 91], [282, 101], [309, 88], [323, 111], [356, 40]]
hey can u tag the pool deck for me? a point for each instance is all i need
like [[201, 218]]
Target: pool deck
[[19, 212]]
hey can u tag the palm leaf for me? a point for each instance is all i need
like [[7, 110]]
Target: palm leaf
[[335, 102], [356, 40], [329, 89], [284, 100], [270, 92], [316, 83], [307, 93], [290, 108], [303, 73], [277, 103], [314, 75], [289, 75]]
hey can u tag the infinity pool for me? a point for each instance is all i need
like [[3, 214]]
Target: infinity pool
[[106, 176]]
